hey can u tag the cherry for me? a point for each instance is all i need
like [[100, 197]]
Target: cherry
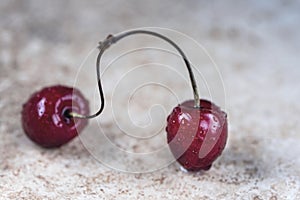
[[196, 135], [46, 119]]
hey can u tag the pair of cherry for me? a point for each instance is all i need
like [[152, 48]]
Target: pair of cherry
[[196, 129]]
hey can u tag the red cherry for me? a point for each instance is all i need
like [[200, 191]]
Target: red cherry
[[44, 115], [197, 136]]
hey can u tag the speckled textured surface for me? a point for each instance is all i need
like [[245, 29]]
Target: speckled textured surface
[[255, 45]]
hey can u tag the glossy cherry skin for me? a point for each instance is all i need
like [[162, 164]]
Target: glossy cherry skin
[[197, 136], [44, 117]]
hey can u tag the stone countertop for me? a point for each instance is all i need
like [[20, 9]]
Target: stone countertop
[[255, 46]]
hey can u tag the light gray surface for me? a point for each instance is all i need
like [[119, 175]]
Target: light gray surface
[[256, 46]]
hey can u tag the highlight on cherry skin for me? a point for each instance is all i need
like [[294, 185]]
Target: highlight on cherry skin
[[196, 129]]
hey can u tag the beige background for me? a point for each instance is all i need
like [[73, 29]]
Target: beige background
[[255, 45]]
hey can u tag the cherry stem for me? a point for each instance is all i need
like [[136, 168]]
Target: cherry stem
[[113, 39]]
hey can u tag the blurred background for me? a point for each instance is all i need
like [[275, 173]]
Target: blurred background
[[254, 45]]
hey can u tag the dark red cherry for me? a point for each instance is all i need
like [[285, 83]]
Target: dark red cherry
[[197, 136], [44, 115]]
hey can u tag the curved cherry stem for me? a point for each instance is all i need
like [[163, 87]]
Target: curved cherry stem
[[113, 39]]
